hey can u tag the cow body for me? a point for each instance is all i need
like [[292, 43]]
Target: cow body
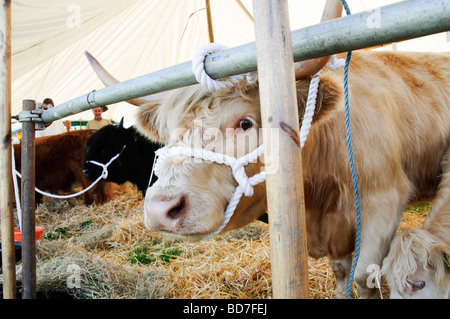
[[59, 166], [400, 115], [134, 163]]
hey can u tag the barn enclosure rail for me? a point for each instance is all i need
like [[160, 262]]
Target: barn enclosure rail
[[397, 22]]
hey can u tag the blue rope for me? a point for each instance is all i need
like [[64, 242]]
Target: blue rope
[[352, 164]]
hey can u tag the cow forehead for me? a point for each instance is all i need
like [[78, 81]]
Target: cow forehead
[[214, 109], [219, 114]]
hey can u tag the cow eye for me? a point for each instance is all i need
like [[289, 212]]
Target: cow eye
[[245, 124], [417, 285]]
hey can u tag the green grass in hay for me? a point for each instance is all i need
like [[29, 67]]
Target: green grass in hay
[[56, 233], [146, 255]]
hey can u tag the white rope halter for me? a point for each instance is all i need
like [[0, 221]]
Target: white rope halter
[[334, 64], [104, 167], [245, 183]]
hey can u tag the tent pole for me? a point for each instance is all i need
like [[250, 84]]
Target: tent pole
[[209, 19], [28, 206], [282, 151], [6, 199]]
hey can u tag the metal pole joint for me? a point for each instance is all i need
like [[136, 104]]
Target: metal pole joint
[[91, 99], [34, 116]]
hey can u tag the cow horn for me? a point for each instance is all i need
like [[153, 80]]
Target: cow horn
[[332, 10], [108, 80]]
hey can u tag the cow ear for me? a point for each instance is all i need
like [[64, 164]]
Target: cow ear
[[146, 122], [329, 94], [120, 126]]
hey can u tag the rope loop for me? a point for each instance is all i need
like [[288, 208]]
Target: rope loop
[[104, 167], [335, 63], [198, 68]]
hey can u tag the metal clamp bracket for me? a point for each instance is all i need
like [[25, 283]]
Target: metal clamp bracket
[[91, 99], [33, 116]]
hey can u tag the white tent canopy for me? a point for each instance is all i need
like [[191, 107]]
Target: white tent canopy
[[131, 38]]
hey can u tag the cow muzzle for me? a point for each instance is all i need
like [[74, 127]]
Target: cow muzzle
[[165, 213]]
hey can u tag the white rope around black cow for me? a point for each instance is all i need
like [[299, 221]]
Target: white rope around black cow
[[103, 175]]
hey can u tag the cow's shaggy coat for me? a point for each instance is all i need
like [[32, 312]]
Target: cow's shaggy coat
[[400, 115]]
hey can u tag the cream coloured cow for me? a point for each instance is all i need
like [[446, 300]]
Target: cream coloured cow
[[400, 118]]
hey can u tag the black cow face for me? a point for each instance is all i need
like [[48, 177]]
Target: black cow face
[[101, 147]]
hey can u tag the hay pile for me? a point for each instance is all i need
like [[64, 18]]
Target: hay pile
[[105, 251]]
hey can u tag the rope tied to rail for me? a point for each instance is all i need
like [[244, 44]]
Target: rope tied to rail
[[198, 67]]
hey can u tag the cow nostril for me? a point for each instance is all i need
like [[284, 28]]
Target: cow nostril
[[177, 210]]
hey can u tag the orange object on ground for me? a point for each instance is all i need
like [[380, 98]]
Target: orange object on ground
[[38, 231]]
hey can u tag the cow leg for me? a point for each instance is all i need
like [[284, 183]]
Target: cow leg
[[444, 189], [89, 196], [341, 269], [373, 250], [381, 220]]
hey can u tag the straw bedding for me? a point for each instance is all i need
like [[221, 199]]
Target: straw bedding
[[111, 254]]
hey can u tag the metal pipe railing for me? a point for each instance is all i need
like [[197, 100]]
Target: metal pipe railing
[[397, 22], [28, 206]]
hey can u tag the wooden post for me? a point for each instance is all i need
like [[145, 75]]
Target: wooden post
[[279, 115], [28, 206], [209, 19], [6, 201]]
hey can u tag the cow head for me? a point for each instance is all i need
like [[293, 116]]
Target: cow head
[[101, 147], [190, 196], [417, 266]]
